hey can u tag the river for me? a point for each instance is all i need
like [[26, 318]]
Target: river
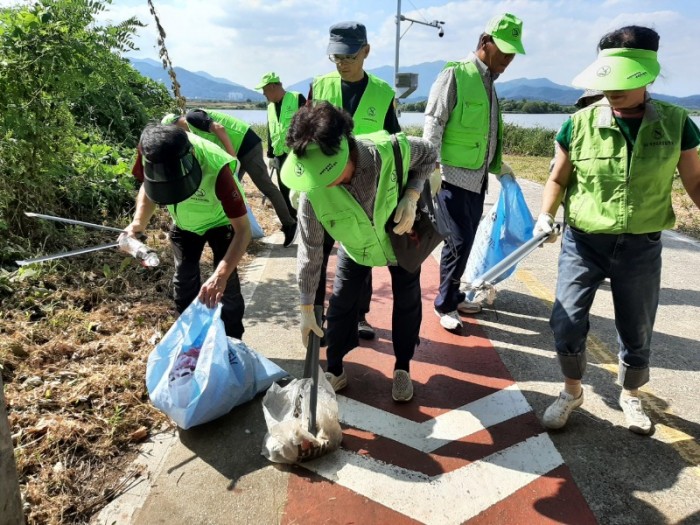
[[550, 121]]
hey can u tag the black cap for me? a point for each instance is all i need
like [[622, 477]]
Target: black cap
[[347, 38], [172, 174]]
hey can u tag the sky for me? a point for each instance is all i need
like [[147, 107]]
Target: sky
[[242, 39]]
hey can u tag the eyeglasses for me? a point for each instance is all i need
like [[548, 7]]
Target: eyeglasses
[[338, 59]]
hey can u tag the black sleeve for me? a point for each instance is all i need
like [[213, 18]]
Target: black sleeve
[[200, 119], [270, 153], [391, 121]]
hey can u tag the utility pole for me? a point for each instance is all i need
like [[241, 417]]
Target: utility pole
[[407, 83], [10, 499]]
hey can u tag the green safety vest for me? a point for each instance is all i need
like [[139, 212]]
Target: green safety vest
[[365, 240], [203, 210], [465, 142], [608, 194], [235, 129], [278, 126], [373, 107]]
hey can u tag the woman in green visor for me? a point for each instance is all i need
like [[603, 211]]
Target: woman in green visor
[[614, 172]]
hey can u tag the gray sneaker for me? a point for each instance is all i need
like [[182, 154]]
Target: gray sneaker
[[466, 307], [449, 320], [337, 382], [637, 421], [558, 412], [402, 390]]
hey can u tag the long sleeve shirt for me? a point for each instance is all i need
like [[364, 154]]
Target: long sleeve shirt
[[441, 102], [363, 187]]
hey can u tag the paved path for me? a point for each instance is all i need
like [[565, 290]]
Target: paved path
[[469, 448]]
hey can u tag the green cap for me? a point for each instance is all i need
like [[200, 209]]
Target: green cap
[[314, 169], [507, 33], [268, 78], [619, 69], [170, 118]]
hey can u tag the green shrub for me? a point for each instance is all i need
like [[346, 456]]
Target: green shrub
[[535, 142]]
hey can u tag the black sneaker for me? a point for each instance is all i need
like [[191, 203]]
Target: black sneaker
[[290, 233], [365, 330]]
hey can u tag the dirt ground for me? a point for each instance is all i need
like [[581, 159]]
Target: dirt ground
[[75, 335]]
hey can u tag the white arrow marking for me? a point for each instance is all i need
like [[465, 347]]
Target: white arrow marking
[[447, 499], [441, 430]]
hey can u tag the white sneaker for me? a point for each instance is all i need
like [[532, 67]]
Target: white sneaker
[[402, 390], [557, 414], [637, 421], [466, 307], [337, 382], [450, 320]]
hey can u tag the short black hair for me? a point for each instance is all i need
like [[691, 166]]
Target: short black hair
[[320, 123], [159, 142], [200, 119], [636, 37]]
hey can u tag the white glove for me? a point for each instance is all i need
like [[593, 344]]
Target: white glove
[[545, 224], [405, 214], [294, 198], [308, 323]]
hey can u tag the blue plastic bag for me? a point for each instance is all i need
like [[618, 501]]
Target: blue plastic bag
[[506, 227], [196, 374], [255, 228]]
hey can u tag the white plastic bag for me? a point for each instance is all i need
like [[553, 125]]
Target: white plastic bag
[[286, 411]]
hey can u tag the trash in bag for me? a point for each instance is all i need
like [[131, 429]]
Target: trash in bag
[[506, 227], [196, 374], [286, 411]]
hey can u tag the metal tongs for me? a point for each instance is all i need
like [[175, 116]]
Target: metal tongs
[[72, 252]]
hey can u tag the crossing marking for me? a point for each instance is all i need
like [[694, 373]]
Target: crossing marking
[[434, 433], [446, 499]]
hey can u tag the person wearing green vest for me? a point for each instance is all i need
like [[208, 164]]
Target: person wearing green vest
[[238, 139], [350, 190], [370, 102], [282, 105], [195, 180], [463, 120], [614, 172]]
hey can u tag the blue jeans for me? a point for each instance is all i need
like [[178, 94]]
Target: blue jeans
[[345, 307], [632, 262], [464, 210]]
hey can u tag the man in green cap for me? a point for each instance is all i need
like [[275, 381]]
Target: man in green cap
[[614, 170], [238, 139], [195, 180], [463, 121], [281, 107], [350, 190]]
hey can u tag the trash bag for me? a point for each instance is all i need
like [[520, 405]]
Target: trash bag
[[286, 411], [506, 227], [255, 227], [196, 374]]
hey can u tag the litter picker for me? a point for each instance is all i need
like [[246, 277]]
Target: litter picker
[[153, 261]]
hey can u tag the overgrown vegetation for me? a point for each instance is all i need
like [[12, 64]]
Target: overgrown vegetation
[[73, 109]]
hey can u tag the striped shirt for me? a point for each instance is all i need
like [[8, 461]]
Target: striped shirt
[[441, 101], [363, 187]]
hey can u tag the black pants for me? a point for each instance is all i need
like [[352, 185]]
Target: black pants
[[187, 249], [284, 189], [365, 292], [344, 309]]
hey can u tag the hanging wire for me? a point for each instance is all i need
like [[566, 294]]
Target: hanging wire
[[167, 64]]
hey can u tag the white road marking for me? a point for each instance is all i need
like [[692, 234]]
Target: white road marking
[[447, 499], [448, 427]]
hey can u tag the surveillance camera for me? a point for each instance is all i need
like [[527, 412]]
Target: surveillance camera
[[441, 32]]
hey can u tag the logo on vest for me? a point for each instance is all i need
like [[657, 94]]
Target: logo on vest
[[603, 71], [393, 176], [372, 112], [299, 169], [658, 139], [199, 195]]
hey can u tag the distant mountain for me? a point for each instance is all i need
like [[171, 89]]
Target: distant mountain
[[197, 86], [203, 86]]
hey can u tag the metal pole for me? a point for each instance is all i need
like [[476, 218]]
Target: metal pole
[[398, 39], [10, 499]]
